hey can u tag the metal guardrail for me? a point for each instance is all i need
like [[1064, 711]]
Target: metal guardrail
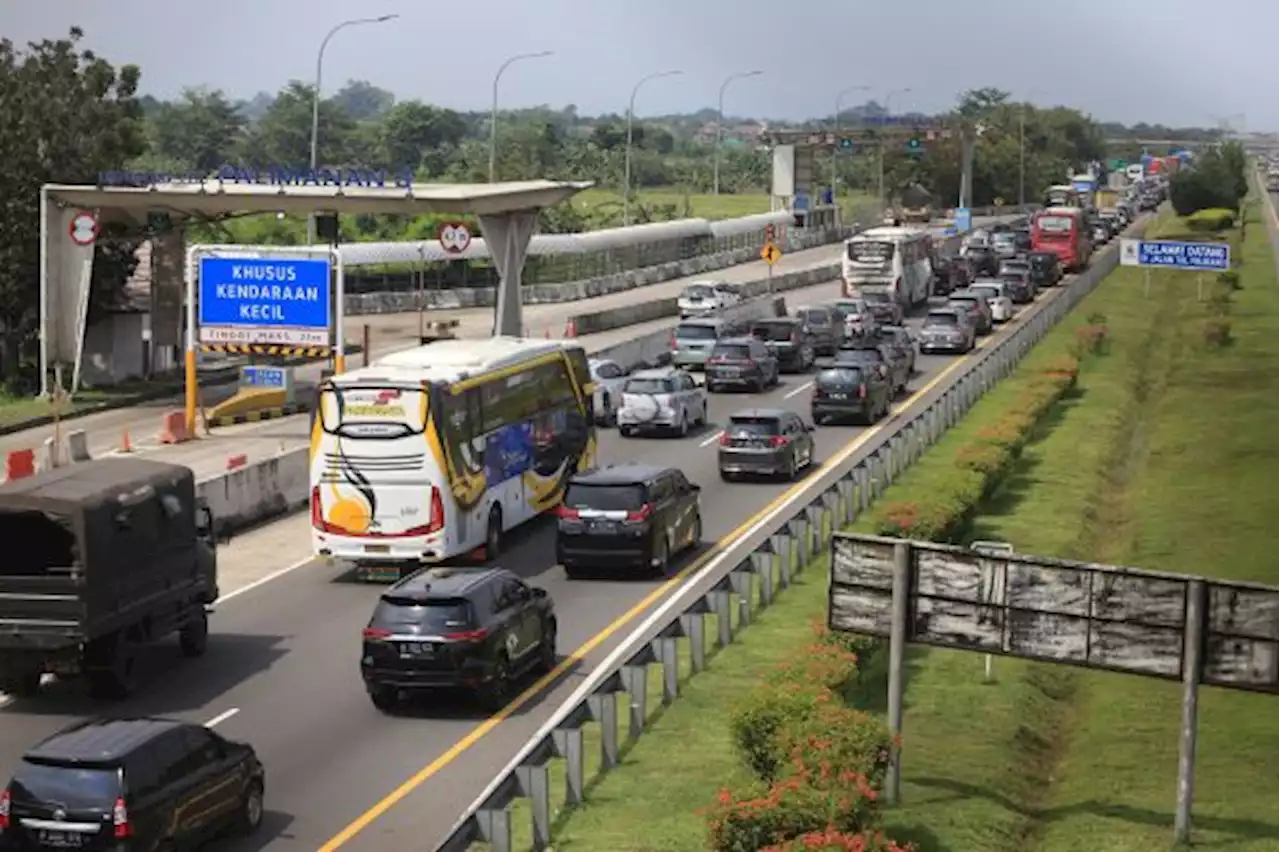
[[743, 578]]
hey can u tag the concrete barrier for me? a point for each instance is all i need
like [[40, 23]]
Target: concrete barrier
[[258, 491], [78, 445]]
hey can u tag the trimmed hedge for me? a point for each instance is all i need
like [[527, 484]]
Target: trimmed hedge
[[818, 763], [982, 463], [1211, 220], [838, 841]]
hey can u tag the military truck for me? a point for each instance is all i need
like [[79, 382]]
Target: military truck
[[916, 205], [100, 559]]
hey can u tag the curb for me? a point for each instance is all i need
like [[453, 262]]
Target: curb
[[259, 415], [221, 376]]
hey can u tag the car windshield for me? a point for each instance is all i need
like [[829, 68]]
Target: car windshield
[[814, 316], [731, 350], [1015, 269], [859, 356], [853, 307], [699, 291], [439, 616], [743, 425], [604, 498], [70, 787], [776, 331], [965, 302], [840, 376], [647, 385], [988, 292], [1002, 238], [695, 331], [946, 318]]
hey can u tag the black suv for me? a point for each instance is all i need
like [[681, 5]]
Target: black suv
[[627, 515], [474, 629], [125, 784]]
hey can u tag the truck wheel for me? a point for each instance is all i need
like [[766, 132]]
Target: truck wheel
[[23, 685], [194, 636], [113, 667]]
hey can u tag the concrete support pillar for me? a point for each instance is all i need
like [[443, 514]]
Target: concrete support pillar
[[507, 237]]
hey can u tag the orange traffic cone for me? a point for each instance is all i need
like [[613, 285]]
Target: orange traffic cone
[[570, 329], [546, 334], [126, 446]]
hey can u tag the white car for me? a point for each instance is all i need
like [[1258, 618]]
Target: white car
[[703, 297], [662, 400], [998, 299], [609, 377]]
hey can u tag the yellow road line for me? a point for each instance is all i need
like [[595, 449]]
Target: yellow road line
[[475, 734]]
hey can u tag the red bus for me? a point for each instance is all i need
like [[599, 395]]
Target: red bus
[[1061, 231]]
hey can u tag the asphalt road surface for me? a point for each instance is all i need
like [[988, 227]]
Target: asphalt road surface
[[282, 667]]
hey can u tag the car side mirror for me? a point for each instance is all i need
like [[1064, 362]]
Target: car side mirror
[[539, 592], [809, 427], [694, 488]]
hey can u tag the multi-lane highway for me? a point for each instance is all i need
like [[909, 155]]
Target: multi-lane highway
[[281, 671]]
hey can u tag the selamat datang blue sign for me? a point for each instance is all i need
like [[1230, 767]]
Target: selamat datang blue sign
[[280, 300]]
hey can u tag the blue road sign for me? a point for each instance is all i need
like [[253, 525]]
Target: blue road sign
[[263, 377], [1197, 257], [264, 300], [963, 219], [1082, 186]]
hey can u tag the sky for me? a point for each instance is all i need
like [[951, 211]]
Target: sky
[[1174, 62]]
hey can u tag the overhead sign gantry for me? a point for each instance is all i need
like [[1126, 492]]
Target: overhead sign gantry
[[507, 213]]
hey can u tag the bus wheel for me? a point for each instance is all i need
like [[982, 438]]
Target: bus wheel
[[493, 534]]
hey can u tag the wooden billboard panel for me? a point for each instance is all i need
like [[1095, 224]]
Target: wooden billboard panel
[[1077, 613]]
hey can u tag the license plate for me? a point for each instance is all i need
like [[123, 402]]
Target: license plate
[[731, 371], [377, 548], [603, 527], [417, 649], [839, 396], [61, 839]]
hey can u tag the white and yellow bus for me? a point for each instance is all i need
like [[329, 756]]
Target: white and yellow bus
[[436, 451], [892, 259]]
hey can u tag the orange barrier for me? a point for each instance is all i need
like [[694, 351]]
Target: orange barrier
[[173, 427], [19, 464], [237, 462], [570, 329], [126, 446]]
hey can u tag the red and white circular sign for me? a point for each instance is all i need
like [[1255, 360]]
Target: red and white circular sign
[[454, 237], [84, 228]]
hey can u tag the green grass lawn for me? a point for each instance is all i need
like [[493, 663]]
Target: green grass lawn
[[17, 409], [722, 206]]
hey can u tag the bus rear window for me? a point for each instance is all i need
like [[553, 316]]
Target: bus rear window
[[1054, 224], [870, 252], [373, 412]]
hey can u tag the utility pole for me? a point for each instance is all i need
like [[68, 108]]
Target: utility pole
[[631, 111], [493, 116]]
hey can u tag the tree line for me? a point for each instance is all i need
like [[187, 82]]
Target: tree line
[[72, 114]]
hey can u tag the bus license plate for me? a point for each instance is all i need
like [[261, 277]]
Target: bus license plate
[[61, 839], [377, 548]]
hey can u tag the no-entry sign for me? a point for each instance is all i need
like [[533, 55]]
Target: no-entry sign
[[84, 228]]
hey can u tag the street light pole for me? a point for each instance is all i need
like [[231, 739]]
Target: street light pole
[[835, 153], [315, 100], [741, 75], [888, 110], [493, 118], [631, 112]]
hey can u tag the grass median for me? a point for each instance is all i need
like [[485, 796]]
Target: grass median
[[698, 206]]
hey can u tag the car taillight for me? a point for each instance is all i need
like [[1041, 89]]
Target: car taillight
[[673, 340], [724, 439], [4, 809], [317, 513], [122, 828], [377, 634], [862, 391], [819, 393], [778, 441], [638, 515], [467, 635], [563, 511], [435, 520]]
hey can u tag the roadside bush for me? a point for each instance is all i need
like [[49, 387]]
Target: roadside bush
[[1230, 278], [1217, 333], [805, 802], [836, 738], [1211, 219], [1062, 367], [1092, 339], [990, 461], [832, 840], [1220, 302]]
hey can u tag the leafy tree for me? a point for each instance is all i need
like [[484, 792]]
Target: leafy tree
[[1216, 180], [363, 101], [69, 114], [200, 130], [412, 129], [283, 135]]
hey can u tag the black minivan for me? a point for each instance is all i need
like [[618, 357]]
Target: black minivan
[[119, 785]]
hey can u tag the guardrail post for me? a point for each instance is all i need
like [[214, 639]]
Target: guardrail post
[[568, 745], [665, 651], [781, 547], [495, 828], [846, 487], [816, 515], [762, 565], [693, 626], [740, 580], [604, 709], [636, 679], [720, 605], [831, 503], [798, 529], [865, 485], [885, 456], [532, 781]]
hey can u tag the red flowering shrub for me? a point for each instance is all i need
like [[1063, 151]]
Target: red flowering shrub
[[989, 460], [803, 803], [836, 738], [1064, 366], [1092, 339], [833, 840]]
